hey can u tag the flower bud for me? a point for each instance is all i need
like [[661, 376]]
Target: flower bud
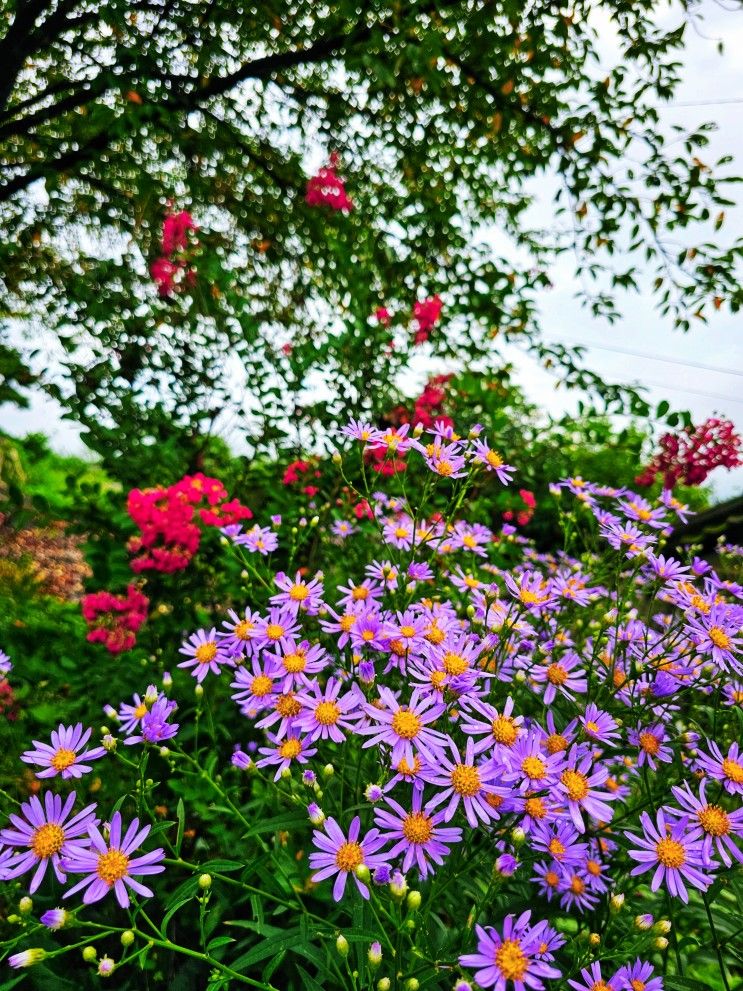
[[594, 939], [109, 743], [89, 954], [518, 836], [25, 905], [106, 967], [341, 945], [643, 922], [199, 691], [414, 900], [205, 882], [375, 954], [127, 938], [384, 984], [165, 751], [363, 873], [398, 885], [314, 521], [412, 984], [337, 459], [373, 793], [315, 814], [27, 958], [617, 903], [328, 771], [662, 926], [661, 943], [167, 680], [56, 918]]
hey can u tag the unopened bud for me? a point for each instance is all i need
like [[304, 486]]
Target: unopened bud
[[89, 954], [25, 905], [314, 521], [199, 691], [109, 743], [341, 945], [662, 926], [127, 938], [106, 967], [643, 921], [661, 943], [412, 984], [337, 459], [205, 882], [384, 984], [414, 900], [617, 903], [315, 814], [363, 873], [375, 954], [594, 939], [328, 771], [518, 836]]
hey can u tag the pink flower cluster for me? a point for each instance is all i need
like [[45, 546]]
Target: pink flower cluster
[[294, 472], [115, 619], [428, 407], [691, 455], [426, 313], [327, 188], [169, 524], [172, 271]]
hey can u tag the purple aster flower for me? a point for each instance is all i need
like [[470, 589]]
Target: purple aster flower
[[399, 532], [530, 588], [343, 529], [641, 511], [467, 537], [108, 865], [419, 571], [674, 854], [574, 890], [404, 727], [277, 629], [592, 980], [417, 834], [46, 833], [561, 841], [668, 569], [498, 729], [670, 502], [285, 753], [579, 782], [130, 715], [367, 591], [154, 726], [511, 957], [599, 725], [528, 765], [560, 676], [343, 856], [626, 537], [466, 782], [258, 540], [717, 633], [637, 976], [446, 460], [297, 595], [237, 637], [326, 712], [485, 455], [650, 740], [293, 662], [203, 652], [547, 877], [66, 755], [6, 665], [360, 430], [727, 769], [56, 918], [256, 688]]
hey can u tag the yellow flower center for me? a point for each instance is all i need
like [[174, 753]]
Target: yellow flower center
[[47, 840], [469, 541], [670, 852], [287, 706], [576, 784], [649, 743], [504, 730], [556, 743], [601, 986], [327, 713], [529, 598], [296, 662], [435, 635], [261, 685], [243, 629], [406, 724], [719, 637], [511, 960], [298, 592], [63, 759], [556, 848], [401, 532], [714, 820], [367, 635], [732, 770], [592, 727], [349, 856], [274, 631], [444, 467], [141, 710], [406, 770], [359, 592], [407, 631], [494, 459], [551, 879], [637, 985], [437, 679], [535, 808], [465, 780], [417, 828], [454, 664], [346, 622], [534, 767], [556, 674], [290, 748], [206, 652], [112, 866], [577, 885], [593, 867]]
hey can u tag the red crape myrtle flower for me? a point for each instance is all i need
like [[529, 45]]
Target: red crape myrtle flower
[[169, 524], [426, 314], [690, 456], [115, 619], [176, 227], [173, 271], [327, 188]]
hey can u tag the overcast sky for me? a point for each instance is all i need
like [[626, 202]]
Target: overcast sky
[[709, 78]]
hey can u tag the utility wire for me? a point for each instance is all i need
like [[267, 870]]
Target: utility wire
[[652, 357], [693, 392]]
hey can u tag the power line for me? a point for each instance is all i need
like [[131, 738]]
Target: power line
[[702, 103], [653, 357], [693, 392]]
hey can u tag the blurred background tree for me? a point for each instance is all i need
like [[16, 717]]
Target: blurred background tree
[[442, 115]]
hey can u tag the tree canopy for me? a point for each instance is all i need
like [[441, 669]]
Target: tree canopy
[[443, 115]]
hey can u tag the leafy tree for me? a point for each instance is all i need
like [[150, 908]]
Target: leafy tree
[[443, 114]]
